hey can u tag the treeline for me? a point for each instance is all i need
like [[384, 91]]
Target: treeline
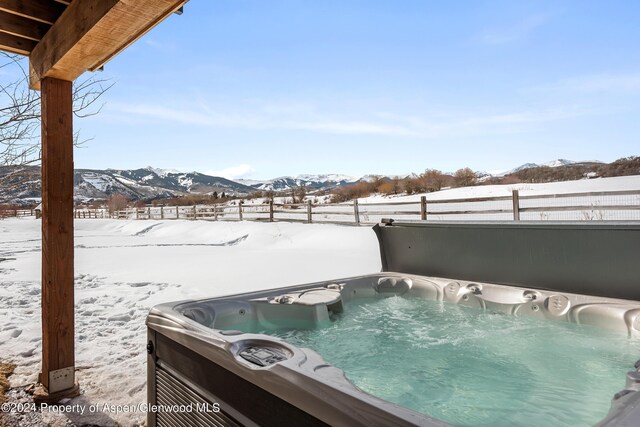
[[117, 201], [435, 180], [427, 182]]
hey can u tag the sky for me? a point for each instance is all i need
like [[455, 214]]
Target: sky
[[259, 89]]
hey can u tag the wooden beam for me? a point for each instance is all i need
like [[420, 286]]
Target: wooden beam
[[58, 357], [42, 11], [22, 27], [91, 32], [15, 44]]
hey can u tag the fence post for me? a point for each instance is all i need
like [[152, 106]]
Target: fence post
[[423, 208], [137, 212], [356, 211], [516, 205], [270, 210], [161, 212], [309, 211], [195, 212], [148, 212], [240, 210], [215, 212]]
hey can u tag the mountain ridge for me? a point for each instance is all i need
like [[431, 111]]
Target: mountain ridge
[[154, 183]]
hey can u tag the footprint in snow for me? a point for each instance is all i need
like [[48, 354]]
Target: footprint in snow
[[28, 353], [139, 285]]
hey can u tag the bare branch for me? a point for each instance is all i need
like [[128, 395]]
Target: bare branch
[[20, 115]]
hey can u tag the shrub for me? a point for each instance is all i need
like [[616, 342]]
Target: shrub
[[464, 177], [117, 202], [433, 180]]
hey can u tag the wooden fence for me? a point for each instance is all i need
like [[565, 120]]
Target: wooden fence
[[16, 213], [614, 205], [604, 205]]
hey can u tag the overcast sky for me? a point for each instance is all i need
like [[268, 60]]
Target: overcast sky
[[259, 89]]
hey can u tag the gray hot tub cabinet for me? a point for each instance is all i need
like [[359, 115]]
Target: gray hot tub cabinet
[[586, 272]]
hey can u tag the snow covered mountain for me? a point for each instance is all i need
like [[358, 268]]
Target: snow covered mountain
[[137, 184], [151, 183], [552, 164], [313, 182]]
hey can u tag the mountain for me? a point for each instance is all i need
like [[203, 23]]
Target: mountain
[[552, 164], [312, 182], [137, 184], [23, 184]]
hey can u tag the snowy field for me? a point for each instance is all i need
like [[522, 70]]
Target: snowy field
[[124, 267]]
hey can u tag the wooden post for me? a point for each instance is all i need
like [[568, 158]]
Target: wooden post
[[270, 210], [309, 211], [356, 211], [516, 205], [58, 353], [215, 212], [148, 212], [240, 210], [195, 212], [161, 212], [423, 208]]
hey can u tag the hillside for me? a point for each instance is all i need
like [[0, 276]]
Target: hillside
[[23, 185], [138, 184]]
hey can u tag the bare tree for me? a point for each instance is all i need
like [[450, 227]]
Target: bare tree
[[298, 193], [465, 177], [20, 114], [117, 202], [433, 180]]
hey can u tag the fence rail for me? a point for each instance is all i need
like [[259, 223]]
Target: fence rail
[[16, 213], [606, 205], [601, 205]]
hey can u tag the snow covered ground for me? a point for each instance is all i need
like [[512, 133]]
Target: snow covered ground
[[123, 268]]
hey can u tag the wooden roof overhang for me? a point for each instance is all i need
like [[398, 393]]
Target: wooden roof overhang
[[65, 38]]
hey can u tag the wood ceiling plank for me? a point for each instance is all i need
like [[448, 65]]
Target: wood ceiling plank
[[46, 12], [22, 27], [15, 44]]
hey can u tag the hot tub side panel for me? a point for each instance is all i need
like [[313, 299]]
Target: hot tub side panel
[[583, 258], [179, 375]]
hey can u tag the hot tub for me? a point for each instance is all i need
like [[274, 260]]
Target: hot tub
[[228, 361]]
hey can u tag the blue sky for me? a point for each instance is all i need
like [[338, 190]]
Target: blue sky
[[259, 89]]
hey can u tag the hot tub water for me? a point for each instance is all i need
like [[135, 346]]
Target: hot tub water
[[474, 368]]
